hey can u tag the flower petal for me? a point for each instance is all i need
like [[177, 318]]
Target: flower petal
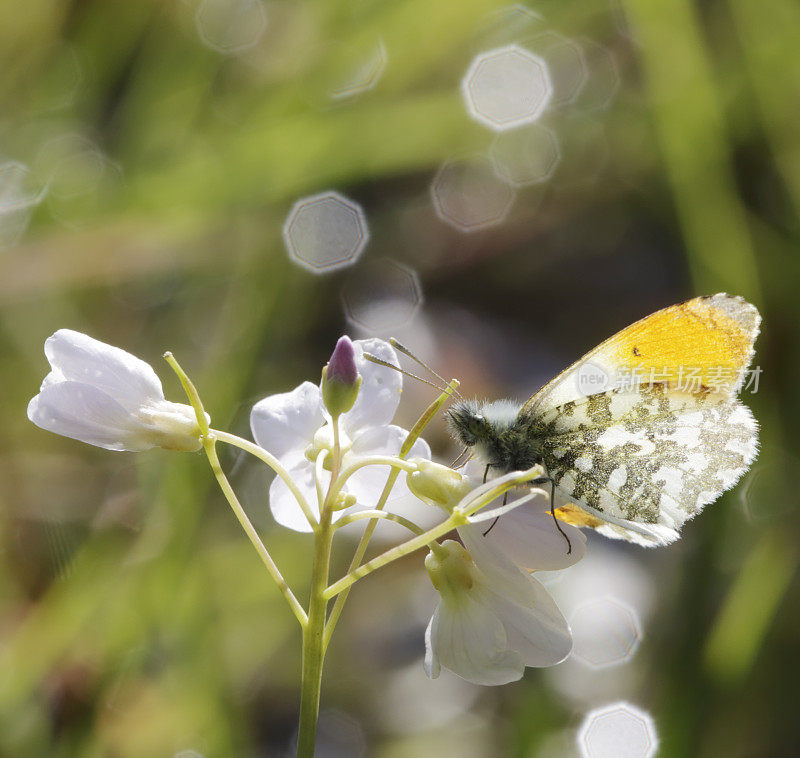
[[540, 633], [380, 387], [283, 503], [286, 422], [431, 663], [499, 570], [79, 358], [85, 413], [469, 640], [528, 537]]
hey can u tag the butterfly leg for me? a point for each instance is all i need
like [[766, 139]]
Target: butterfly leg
[[497, 518], [486, 472], [552, 507]]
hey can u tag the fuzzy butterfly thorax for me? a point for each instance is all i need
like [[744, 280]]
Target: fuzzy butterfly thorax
[[501, 436]]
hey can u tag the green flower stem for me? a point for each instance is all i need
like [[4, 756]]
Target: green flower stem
[[397, 519], [473, 502], [413, 435], [314, 631], [373, 460], [208, 439], [274, 464], [423, 540], [209, 445]]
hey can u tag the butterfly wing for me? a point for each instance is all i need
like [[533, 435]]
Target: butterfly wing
[[636, 461], [707, 341]]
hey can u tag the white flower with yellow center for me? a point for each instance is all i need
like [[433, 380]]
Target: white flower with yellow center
[[295, 427]]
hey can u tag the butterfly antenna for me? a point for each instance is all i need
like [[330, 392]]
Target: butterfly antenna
[[403, 349], [374, 359]]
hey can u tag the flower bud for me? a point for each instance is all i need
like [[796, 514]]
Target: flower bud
[[340, 378], [451, 569], [436, 484]]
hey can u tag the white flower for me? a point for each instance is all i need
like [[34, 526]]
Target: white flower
[[295, 428], [102, 395], [493, 618]]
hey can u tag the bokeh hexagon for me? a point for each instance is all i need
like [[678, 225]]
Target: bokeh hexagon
[[382, 296], [231, 26], [468, 195], [506, 87], [525, 156], [619, 730], [606, 632], [325, 232]]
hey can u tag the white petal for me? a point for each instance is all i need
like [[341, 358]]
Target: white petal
[[529, 537], [368, 483], [286, 422], [380, 387], [283, 503], [79, 358], [85, 413], [540, 633], [501, 573], [470, 641], [432, 667]]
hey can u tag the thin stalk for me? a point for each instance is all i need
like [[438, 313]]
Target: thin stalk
[[394, 517], [274, 464], [400, 551], [208, 440], [266, 558], [476, 500], [314, 630]]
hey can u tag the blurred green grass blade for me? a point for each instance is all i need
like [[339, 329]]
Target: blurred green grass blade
[[742, 624], [690, 125], [769, 39]]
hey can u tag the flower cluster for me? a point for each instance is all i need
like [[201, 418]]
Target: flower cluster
[[339, 458]]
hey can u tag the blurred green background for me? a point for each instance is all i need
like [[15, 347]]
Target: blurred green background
[[150, 153]]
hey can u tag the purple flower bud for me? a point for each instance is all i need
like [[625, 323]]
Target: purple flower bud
[[340, 379], [342, 365]]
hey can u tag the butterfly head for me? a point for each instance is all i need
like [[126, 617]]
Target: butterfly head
[[467, 422], [473, 423]]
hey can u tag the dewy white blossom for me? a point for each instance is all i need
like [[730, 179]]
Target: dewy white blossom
[[107, 397], [295, 428], [493, 618]]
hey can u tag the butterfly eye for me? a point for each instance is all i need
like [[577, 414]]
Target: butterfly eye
[[477, 423]]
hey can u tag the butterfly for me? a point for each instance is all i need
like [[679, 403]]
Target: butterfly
[[640, 434]]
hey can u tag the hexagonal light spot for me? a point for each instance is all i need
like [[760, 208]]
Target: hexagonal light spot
[[525, 156], [565, 62], [762, 493], [231, 26], [605, 632], [619, 730], [358, 70], [506, 87], [17, 201], [382, 296], [325, 232], [468, 195], [603, 78]]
